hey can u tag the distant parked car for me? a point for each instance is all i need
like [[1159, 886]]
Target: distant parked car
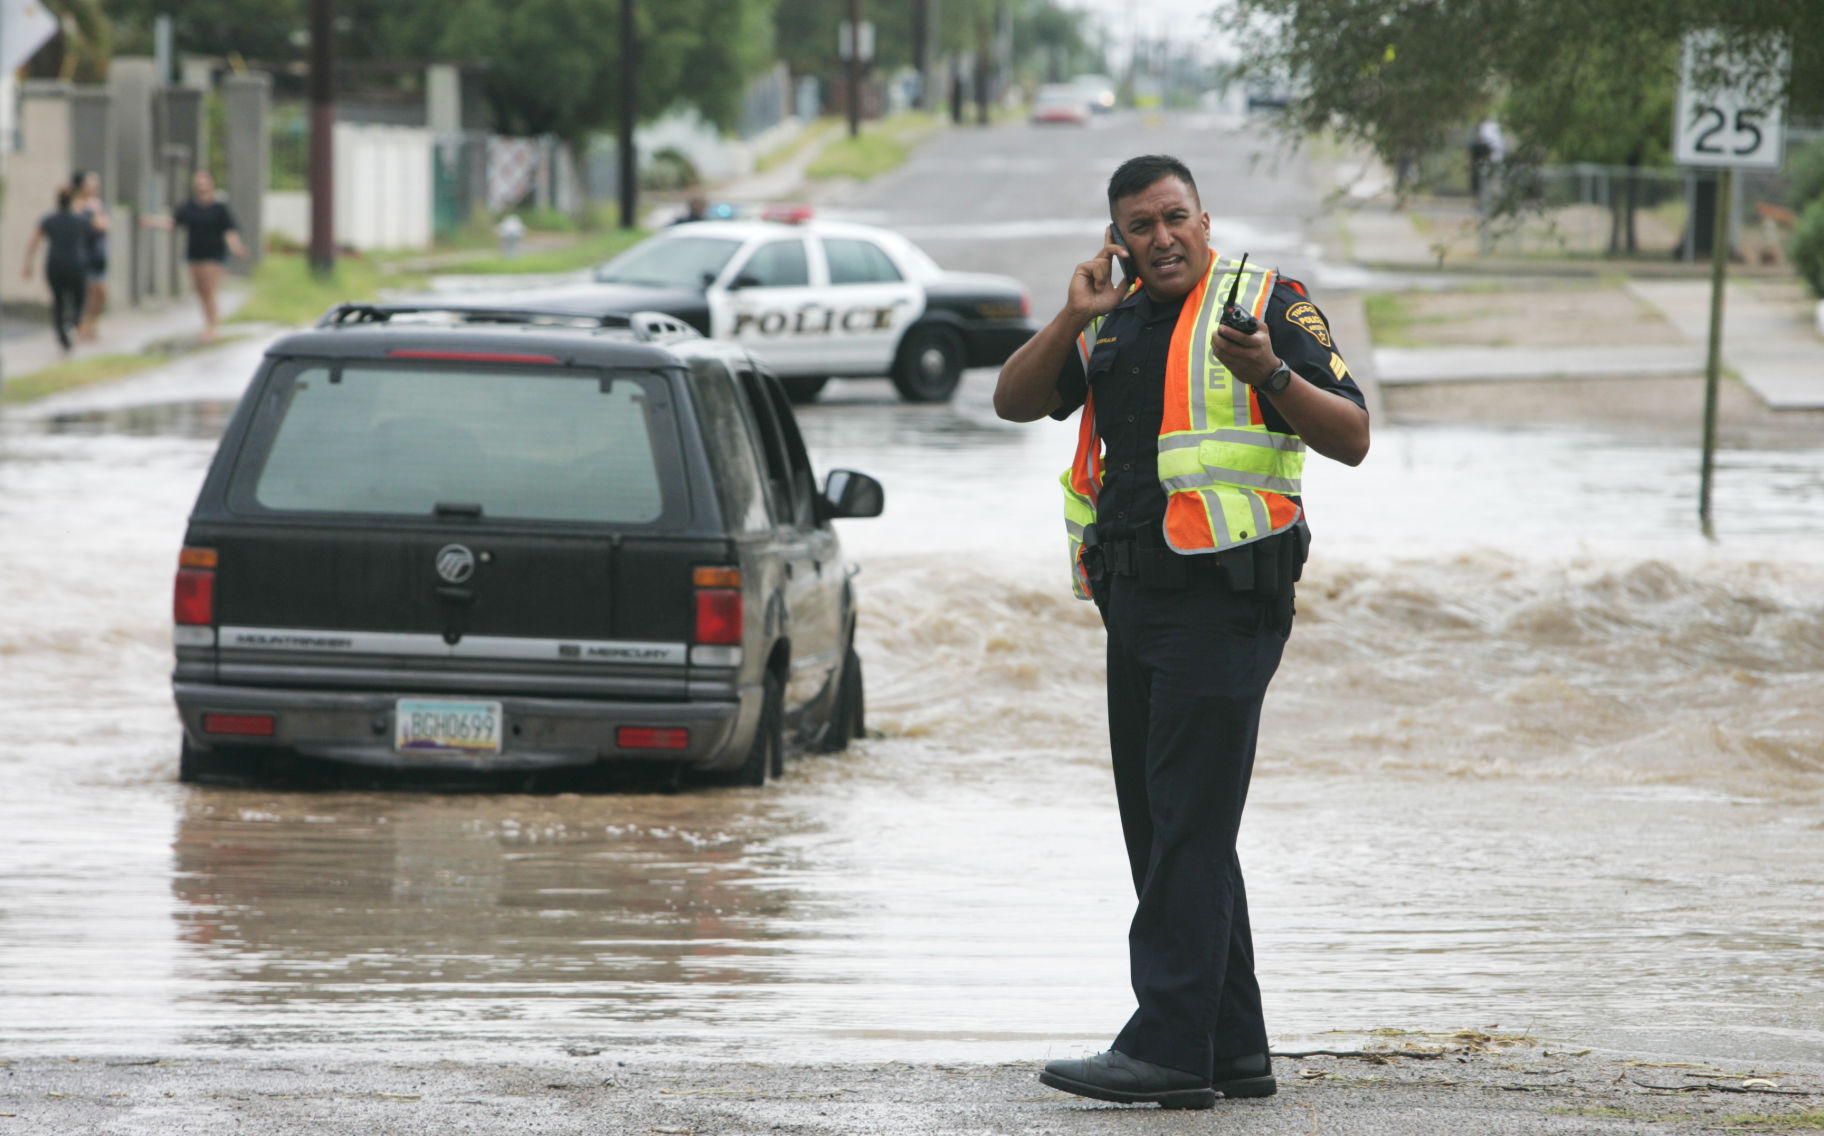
[[466, 541], [1097, 90], [1061, 103], [1268, 98]]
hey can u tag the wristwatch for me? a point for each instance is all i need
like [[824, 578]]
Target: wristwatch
[[1278, 380]]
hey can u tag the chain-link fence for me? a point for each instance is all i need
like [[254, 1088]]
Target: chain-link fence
[[1598, 210]]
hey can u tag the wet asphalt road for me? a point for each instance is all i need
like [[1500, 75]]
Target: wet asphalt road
[[1030, 202]]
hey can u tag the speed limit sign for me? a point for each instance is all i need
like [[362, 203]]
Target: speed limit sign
[[1729, 112]]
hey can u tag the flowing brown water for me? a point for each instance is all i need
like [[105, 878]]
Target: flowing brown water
[[1549, 763]]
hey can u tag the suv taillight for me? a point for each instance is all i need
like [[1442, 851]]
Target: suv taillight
[[193, 599], [718, 605]]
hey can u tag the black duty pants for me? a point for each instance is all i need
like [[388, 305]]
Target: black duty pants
[[1187, 671], [69, 286]]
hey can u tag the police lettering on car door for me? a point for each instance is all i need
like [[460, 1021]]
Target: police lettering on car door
[[816, 319]]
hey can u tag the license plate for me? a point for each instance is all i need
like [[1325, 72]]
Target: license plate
[[431, 728]]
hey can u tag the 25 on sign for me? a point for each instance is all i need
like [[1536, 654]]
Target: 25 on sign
[[1729, 112]]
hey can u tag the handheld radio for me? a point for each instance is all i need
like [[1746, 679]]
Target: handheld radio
[[1232, 315]]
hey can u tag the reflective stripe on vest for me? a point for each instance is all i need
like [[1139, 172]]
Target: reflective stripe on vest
[[1227, 478]]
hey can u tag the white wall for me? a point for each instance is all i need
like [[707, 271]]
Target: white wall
[[288, 214], [383, 187], [716, 158], [383, 191]]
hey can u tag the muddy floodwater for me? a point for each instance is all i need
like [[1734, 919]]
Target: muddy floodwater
[[1539, 758]]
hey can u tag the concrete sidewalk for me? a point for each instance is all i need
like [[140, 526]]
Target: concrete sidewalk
[[1486, 1088], [1774, 349], [123, 331], [1770, 336]]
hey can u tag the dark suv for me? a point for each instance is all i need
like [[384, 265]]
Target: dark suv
[[451, 540]]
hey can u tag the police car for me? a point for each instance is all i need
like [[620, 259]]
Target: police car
[[819, 299]]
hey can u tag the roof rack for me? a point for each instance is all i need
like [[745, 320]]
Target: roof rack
[[646, 326]]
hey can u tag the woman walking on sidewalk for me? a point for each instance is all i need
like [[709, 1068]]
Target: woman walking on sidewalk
[[67, 234], [86, 186], [209, 237]]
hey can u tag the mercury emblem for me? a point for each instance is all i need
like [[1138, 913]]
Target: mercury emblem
[[455, 563]]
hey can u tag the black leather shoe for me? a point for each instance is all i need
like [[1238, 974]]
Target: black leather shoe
[[1114, 1076], [1250, 1076]]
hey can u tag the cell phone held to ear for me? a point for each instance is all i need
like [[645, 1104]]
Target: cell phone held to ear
[[1121, 260], [1232, 314]]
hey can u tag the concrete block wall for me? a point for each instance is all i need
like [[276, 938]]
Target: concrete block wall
[[133, 89], [94, 146], [34, 173], [248, 107]]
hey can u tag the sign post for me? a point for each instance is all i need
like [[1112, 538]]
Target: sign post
[[1729, 117]]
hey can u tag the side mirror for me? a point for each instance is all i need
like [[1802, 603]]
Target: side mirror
[[850, 494], [743, 281]]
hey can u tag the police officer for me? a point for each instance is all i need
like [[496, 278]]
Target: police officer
[[1186, 525]]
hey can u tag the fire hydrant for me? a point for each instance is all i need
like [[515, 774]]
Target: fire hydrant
[[511, 231]]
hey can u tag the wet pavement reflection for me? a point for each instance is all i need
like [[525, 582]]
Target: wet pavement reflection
[[1565, 782]]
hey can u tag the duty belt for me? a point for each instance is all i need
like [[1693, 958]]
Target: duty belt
[[1268, 568], [1160, 567]]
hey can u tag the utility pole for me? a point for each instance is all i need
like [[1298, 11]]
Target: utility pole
[[322, 136], [630, 114], [921, 50], [983, 40], [854, 68]]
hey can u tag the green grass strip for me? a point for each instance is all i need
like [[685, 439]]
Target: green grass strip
[[286, 292], [1778, 1122], [72, 373], [1389, 319], [585, 253], [882, 146]]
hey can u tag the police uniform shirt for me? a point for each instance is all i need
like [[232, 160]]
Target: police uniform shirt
[[1127, 371]]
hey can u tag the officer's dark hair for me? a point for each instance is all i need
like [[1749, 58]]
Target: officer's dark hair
[[1136, 174]]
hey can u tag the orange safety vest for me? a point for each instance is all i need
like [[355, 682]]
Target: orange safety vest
[[1228, 480]]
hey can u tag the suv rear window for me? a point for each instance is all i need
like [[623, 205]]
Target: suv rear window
[[556, 445]]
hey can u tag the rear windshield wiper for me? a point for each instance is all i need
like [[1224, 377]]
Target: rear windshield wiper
[[455, 509]]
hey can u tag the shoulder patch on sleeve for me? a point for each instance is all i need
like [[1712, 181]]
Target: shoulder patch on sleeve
[[1305, 314], [1337, 367]]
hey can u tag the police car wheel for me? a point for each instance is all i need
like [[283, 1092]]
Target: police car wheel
[[802, 388], [930, 364]]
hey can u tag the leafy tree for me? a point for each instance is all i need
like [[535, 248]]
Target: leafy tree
[[80, 51], [806, 31], [1808, 246], [1043, 32], [549, 65], [1406, 75], [265, 30], [1599, 102], [1805, 175], [1051, 38]]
